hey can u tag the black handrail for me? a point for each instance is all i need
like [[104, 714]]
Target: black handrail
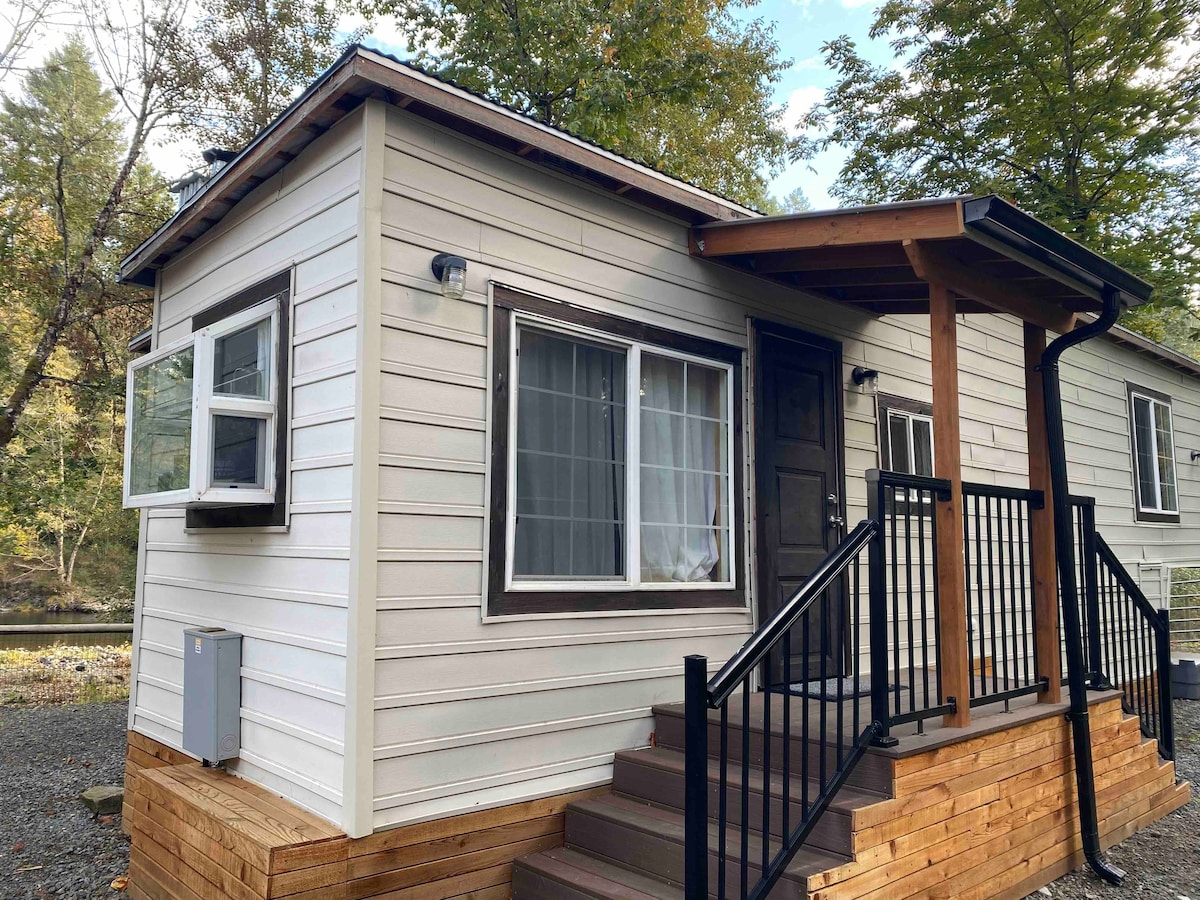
[[755, 650], [826, 758], [1133, 646]]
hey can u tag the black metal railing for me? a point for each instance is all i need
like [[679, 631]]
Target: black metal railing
[[1127, 642], [904, 602], [1132, 641], [1000, 592], [804, 650]]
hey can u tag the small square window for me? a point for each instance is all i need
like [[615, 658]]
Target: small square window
[[202, 415]]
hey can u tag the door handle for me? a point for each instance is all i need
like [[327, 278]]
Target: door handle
[[836, 521]]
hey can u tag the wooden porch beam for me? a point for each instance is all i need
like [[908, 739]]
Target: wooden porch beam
[[932, 265], [865, 256], [1041, 524], [953, 653], [842, 228]]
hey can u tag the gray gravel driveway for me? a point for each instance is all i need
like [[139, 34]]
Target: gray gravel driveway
[[49, 844]]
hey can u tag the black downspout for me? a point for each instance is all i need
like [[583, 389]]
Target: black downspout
[[1064, 547]]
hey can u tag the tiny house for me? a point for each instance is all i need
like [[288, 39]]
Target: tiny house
[[474, 431]]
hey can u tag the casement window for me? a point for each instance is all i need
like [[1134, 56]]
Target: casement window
[[905, 436], [204, 418], [615, 479], [1156, 493]]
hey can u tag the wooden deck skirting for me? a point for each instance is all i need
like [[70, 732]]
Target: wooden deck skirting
[[995, 817], [989, 816], [202, 834]]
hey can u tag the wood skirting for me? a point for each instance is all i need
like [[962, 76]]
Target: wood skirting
[[202, 834], [988, 817], [995, 816]]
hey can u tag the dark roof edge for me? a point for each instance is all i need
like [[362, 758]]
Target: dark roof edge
[[1139, 342], [1024, 234], [359, 65]]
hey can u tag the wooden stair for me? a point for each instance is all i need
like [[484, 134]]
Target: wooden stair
[[984, 813], [628, 845]]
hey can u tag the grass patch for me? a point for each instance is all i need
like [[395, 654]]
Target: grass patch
[[64, 674]]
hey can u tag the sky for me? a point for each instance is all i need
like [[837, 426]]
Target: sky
[[801, 28]]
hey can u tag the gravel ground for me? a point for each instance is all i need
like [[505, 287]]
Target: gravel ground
[[1161, 862], [49, 844]]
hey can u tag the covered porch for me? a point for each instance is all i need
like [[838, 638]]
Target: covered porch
[[969, 607]]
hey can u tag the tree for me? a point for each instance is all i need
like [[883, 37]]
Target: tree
[[256, 56], [1081, 111], [72, 149], [680, 85], [795, 202]]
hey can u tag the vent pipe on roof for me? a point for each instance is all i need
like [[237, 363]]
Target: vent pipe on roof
[[1064, 547], [191, 184]]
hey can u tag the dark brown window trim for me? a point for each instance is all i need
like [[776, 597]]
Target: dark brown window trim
[[1140, 515], [261, 515], [506, 602]]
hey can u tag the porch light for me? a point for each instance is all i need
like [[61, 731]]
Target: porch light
[[866, 379], [451, 271]]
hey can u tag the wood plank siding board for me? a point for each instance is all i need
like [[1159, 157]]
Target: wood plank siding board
[[285, 589], [555, 695]]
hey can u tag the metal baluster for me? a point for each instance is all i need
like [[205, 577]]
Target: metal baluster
[[1026, 584], [766, 769], [723, 802], [908, 575], [937, 597], [823, 739], [744, 862], [787, 730], [1012, 602], [924, 586], [804, 719], [893, 518], [981, 637], [991, 603]]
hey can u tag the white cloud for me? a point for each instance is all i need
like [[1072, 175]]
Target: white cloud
[[809, 63], [799, 102]]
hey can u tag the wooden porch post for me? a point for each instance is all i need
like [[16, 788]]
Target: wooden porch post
[[1041, 523], [953, 656]]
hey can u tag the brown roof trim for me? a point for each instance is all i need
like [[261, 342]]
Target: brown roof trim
[[360, 74]]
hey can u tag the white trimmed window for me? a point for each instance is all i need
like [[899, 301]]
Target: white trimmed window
[[1153, 436], [200, 416], [619, 463], [906, 436]]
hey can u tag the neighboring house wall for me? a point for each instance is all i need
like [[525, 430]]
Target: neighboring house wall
[[286, 592]]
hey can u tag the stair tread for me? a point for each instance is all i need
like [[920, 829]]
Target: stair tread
[[665, 823], [598, 876], [847, 799]]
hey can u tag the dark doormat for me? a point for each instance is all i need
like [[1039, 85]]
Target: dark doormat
[[828, 689]]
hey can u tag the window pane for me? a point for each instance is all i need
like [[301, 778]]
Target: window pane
[[1144, 447], [161, 437], [685, 472], [922, 447], [898, 443], [239, 444], [570, 459], [241, 362], [1166, 456]]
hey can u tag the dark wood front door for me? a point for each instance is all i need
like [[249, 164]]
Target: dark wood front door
[[798, 455]]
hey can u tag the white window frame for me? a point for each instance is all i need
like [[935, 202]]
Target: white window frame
[[910, 417], [1134, 396], [633, 463], [206, 404]]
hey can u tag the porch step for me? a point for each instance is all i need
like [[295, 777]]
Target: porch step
[[649, 839], [873, 772], [657, 775], [567, 874]]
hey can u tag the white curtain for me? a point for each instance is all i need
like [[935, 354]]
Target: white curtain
[[679, 453]]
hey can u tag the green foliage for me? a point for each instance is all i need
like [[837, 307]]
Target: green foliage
[[795, 202], [258, 55], [1082, 112], [62, 147], [680, 85]]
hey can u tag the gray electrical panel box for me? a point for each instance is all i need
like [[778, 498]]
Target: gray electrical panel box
[[212, 693]]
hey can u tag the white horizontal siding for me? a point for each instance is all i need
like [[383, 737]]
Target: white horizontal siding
[[284, 590], [471, 711]]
